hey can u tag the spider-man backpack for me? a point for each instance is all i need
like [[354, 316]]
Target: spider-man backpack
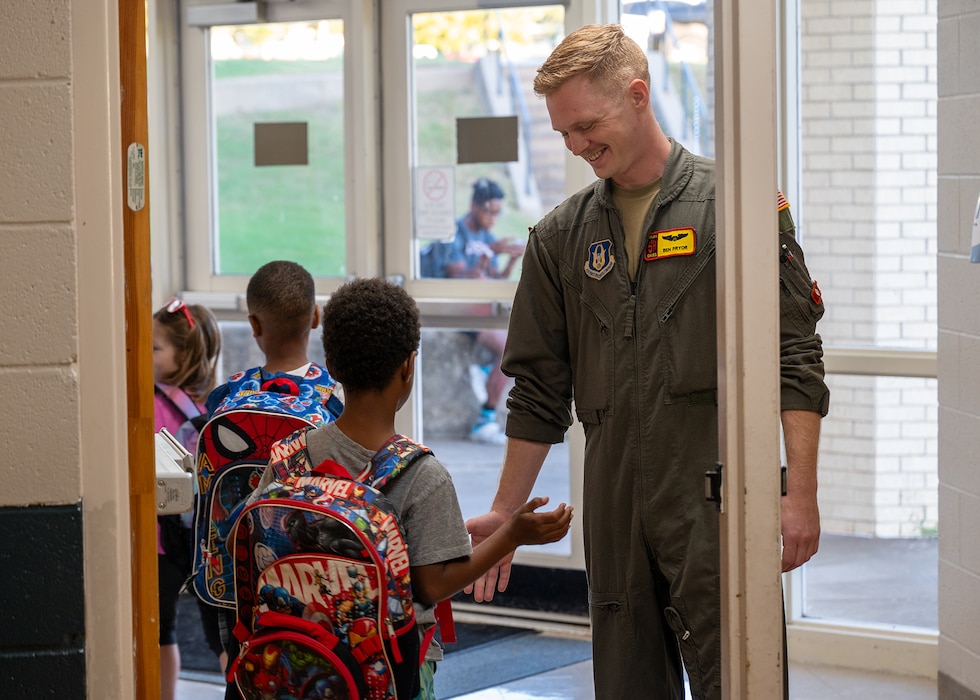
[[258, 409]]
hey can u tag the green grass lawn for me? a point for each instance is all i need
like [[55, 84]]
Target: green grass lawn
[[298, 212], [237, 68], [281, 212]]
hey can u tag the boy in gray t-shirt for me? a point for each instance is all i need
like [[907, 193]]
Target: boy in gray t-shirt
[[371, 334]]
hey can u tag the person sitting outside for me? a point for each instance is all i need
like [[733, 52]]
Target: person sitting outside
[[473, 254]]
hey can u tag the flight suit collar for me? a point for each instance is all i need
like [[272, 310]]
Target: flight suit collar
[[677, 174]]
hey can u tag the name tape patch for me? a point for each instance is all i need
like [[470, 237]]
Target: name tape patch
[[670, 243]]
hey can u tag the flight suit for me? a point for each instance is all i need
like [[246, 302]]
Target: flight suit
[[639, 359]]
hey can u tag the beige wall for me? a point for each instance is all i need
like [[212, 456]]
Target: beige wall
[[959, 351], [62, 355], [38, 343]]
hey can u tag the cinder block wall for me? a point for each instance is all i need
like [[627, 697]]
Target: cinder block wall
[[42, 613], [959, 351], [64, 526]]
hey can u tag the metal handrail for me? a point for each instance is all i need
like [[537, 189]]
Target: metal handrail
[[520, 106]]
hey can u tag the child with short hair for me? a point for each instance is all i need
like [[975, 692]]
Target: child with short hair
[[282, 310], [186, 345], [371, 334]]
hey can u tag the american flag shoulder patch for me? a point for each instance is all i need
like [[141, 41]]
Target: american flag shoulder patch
[[781, 202]]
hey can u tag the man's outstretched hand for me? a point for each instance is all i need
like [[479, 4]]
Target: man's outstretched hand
[[497, 578]]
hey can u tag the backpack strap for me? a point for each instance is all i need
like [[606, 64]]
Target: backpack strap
[[290, 457], [444, 623], [179, 399], [199, 421], [394, 457]]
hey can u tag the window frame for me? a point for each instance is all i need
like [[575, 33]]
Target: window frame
[[840, 643], [362, 158]]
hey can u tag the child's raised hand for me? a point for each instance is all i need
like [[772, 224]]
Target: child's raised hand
[[529, 527]]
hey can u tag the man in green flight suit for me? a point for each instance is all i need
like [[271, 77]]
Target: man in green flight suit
[[616, 308]]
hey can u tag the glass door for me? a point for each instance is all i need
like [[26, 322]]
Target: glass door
[[471, 163], [278, 104], [871, 240]]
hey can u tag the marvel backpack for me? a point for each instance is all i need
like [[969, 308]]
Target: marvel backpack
[[322, 582], [233, 448]]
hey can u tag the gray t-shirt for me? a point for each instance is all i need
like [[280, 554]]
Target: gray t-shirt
[[423, 496]]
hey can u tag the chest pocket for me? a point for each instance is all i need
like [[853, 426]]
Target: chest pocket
[[593, 362], [687, 320]]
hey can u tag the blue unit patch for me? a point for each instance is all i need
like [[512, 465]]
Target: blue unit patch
[[601, 259]]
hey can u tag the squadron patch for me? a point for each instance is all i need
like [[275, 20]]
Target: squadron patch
[[601, 259], [667, 244]]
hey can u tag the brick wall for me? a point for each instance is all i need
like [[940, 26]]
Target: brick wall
[[868, 223]]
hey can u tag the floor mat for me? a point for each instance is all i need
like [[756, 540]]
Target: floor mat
[[470, 635], [483, 655], [494, 657]]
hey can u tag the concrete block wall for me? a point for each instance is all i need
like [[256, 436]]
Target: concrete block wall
[[42, 648], [64, 519], [959, 350], [868, 225], [38, 344]]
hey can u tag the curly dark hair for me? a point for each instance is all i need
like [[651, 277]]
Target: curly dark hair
[[282, 295], [370, 327]]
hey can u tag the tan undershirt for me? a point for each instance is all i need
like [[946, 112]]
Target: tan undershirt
[[633, 205]]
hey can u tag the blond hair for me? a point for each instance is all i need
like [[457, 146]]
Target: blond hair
[[601, 52]]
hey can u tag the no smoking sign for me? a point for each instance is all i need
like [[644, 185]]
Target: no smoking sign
[[434, 198]]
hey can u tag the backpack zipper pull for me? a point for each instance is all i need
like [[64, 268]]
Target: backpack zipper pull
[[394, 640]]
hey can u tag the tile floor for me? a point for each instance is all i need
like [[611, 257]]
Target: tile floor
[[574, 682]]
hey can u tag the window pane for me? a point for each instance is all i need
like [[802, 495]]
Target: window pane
[[878, 504], [476, 116], [277, 99], [868, 125], [675, 38], [867, 221], [456, 365]]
